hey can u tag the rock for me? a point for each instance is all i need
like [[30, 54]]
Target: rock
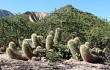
[[12, 64], [43, 59], [35, 16]]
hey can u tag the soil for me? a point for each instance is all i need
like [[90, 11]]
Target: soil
[[11, 64]]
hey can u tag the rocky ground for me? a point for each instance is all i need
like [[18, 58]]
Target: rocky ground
[[11, 64]]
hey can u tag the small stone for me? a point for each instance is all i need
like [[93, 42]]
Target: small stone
[[43, 59]]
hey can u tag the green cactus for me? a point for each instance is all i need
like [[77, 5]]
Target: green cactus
[[96, 51], [39, 47], [27, 40], [41, 41], [57, 36], [14, 55], [51, 33], [40, 38], [87, 55], [87, 44], [35, 40], [36, 58], [12, 45], [73, 48], [27, 50], [36, 51], [49, 42], [77, 41]]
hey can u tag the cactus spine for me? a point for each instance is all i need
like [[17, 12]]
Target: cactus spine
[[86, 55], [27, 50], [49, 42], [73, 48], [14, 55], [12, 52], [51, 33], [57, 36], [35, 40], [77, 41], [12, 45]]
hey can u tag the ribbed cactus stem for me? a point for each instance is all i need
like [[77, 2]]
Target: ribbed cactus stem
[[87, 44], [14, 55], [57, 36], [51, 33], [49, 42], [86, 55], [35, 40], [12, 45], [11, 54], [96, 51], [27, 40], [73, 48], [40, 38], [77, 41], [27, 50]]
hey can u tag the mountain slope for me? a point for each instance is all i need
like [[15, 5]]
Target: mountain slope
[[4, 13], [72, 21]]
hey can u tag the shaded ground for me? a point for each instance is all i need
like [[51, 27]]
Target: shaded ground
[[11, 64]]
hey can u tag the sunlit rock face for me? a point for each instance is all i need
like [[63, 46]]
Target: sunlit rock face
[[35, 16]]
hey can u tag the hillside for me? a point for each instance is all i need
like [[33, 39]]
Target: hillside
[[77, 23], [4, 13], [72, 21]]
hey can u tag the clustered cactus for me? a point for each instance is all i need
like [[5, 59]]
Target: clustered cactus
[[87, 55], [34, 48], [13, 54]]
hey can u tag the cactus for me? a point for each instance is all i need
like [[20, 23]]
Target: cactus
[[35, 40], [51, 50], [36, 51], [27, 50], [87, 55], [73, 48], [97, 51], [49, 42], [77, 41], [87, 44], [27, 40], [57, 36], [35, 58], [51, 33], [40, 38], [14, 55], [41, 43], [12, 45]]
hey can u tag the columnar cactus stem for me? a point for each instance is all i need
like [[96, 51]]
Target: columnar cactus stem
[[12, 45], [73, 48], [35, 40], [77, 41], [57, 36], [51, 33], [49, 42], [27, 50], [14, 55]]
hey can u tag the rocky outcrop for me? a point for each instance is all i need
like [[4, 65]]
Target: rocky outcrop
[[35, 16], [4, 13]]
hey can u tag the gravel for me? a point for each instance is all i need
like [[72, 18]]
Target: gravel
[[11, 64]]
